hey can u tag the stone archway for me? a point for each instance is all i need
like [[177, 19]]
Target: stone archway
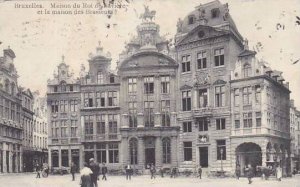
[[248, 153]]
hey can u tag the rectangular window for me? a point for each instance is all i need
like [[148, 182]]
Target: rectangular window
[[88, 125], [165, 84], [188, 149], [88, 100], [186, 63], [100, 120], [237, 121], [101, 152], [149, 113], [64, 126], [202, 124], [54, 106], [247, 118], [220, 124], [186, 100], [71, 88], [112, 79], [236, 97], [257, 94], [100, 78], [132, 114], [220, 96], [148, 85], [219, 57], [165, 113], [113, 152], [221, 150], [258, 119], [247, 95], [187, 126], [112, 98], [201, 60], [203, 99], [73, 106], [112, 124], [132, 86]]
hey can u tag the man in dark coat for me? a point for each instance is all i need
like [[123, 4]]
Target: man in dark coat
[[73, 170], [38, 171], [128, 171], [104, 171], [152, 171], [250, 173], [200, 171], [238, 171], [95, 169]]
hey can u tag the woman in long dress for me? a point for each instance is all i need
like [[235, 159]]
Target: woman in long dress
[[85, 176], [279, 173]]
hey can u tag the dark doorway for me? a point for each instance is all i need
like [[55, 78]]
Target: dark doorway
[[88, 155], [7, 161], [203, 153], [14, 163], [150, 157]]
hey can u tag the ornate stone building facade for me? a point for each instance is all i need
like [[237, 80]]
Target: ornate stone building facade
[[63, 109], [11, 152]]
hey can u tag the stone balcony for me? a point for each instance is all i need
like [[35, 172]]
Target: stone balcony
[[101, 137]]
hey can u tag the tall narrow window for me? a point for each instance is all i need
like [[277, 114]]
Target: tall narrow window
[[101, 152], [63, 86], [74, 128], [219, 57], [187, 151], [88, 100], [100, 78], [187, 126], [165, 84], [100, 120], [201, 60], [113, 152], [247, 118], [148, 85], [166, 145], [236, 97], [54, 106], [220, 96], [258, 119], [132, 114], [247, 70], [132, 86], [237, 121], [64, 127], [186, 63], [257, 94], [63, 106], [165, 113], [186, 100], [73, 106], [221, 150], [88, 125], [247, 95], [203, 99], [149, 113], [112, 124], [112, 98]]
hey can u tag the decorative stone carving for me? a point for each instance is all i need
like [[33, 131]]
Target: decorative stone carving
[[202, 79]]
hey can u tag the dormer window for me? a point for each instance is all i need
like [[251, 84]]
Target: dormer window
[[63, 86], [247, 70], [191, 19], [112, 79], [215, 13]]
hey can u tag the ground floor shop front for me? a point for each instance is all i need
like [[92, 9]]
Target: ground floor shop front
[[10, 157]]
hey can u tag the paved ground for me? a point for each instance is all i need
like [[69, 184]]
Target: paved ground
[[29, 180]]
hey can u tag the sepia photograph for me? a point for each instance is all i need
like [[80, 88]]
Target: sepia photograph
[[141, 93]]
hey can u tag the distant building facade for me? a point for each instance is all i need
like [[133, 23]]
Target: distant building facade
[[295, 135], [11, 128]]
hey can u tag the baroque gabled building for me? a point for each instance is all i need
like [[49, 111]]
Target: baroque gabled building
[[63, 113], [11, 128], [148, 99]]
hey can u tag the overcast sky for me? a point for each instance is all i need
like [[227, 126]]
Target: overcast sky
[[39, 41]]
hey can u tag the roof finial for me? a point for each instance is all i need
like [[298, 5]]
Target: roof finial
[[8, 47], [63, 58], [246, 47]]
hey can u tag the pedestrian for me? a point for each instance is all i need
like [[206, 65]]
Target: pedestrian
[[199, 171], [161, 171], [238, 171], [73, 170], [47, 170], [152, 171], [278, 173], [95, 169], [85, 176], [38, 171], [104, 171], [128, 171], [173, 172], [249, 171]]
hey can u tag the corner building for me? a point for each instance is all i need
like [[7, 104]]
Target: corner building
[[148, 100]]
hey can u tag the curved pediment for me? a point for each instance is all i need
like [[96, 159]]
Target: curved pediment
[[219, 81], [186, 87], [148, 59]]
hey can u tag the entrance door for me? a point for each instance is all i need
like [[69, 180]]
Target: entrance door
[[149, 156], [203, 153]]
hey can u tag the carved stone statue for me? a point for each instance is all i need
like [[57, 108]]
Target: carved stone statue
[[179, 25], [148, 14], [226, 14]]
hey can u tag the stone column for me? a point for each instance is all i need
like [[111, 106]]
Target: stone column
[[81, 157], [124, 157], [141, 153], [70, 156], [59, 157], [21, 158], [49, 158], [17, 160], [4, 158], [140, 120], [125, 121], [174, 151], [194, 99], [158, 152], [173, 119], [10, 168]]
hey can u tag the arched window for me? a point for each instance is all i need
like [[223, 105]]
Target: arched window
[[133, 151], [247, 70], [7, 85], [166, 144]]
